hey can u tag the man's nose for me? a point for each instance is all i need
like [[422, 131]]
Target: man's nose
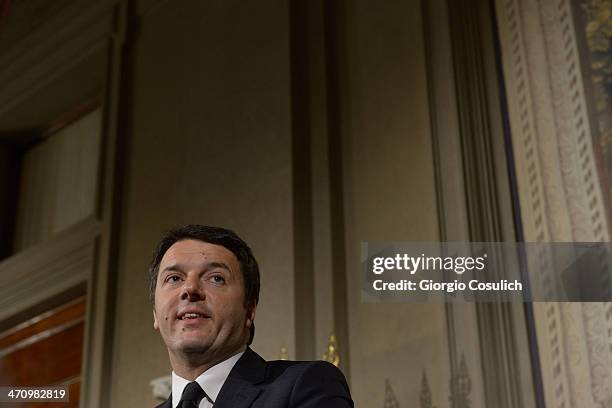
[[192, 289]]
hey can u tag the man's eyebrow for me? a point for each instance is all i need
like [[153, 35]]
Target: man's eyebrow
[[214, 265], [177, 267], [173, 268]]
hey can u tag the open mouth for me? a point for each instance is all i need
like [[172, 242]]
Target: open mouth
[[191, 316]]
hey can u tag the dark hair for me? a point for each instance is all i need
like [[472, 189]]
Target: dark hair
[[217, 236]]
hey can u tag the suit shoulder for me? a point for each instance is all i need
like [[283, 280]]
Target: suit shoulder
[[320, 384], [322, 369], [303, 384], [305, 372]]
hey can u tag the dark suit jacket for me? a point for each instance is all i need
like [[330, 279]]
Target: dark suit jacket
[[256, 383]]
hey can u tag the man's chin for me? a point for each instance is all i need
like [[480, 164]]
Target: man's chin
[[188, 345], [192, 347]]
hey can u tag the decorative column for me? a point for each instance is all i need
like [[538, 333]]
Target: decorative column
[[559, 188]]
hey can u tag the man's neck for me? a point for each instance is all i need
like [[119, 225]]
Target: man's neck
[[191, 368]]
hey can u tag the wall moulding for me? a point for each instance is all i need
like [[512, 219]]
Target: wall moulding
[[47, 270], [74, 57], [559, 192], [473, 197], [73, 44]]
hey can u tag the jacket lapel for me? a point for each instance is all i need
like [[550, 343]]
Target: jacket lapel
[[236, 394], [239, 390]]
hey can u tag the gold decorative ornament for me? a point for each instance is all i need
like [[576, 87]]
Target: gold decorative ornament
[[284, 354], [331, 355]]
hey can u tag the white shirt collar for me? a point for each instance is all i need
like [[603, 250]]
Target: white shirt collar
[[210, 380]]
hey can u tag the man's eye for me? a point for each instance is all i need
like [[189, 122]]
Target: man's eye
[[217, 279], [172, 279]]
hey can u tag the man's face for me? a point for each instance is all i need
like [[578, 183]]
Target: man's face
[[199, 301]]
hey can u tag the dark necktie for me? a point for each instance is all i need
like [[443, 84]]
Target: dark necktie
[[192, 395]]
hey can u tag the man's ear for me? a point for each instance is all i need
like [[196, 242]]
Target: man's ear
[[250, 317], [155, 324]]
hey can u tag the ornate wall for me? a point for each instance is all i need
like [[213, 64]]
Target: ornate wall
[[559, 187]]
